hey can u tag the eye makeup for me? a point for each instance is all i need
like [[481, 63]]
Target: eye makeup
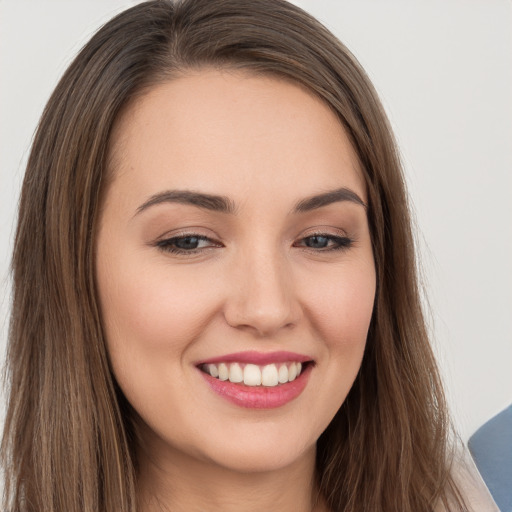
[[193, 243], [187, 244], [324, 242]]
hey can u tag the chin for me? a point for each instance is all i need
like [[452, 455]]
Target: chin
[[261, 448], [262, 459]]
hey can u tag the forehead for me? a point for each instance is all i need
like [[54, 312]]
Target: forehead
[[230, 132]]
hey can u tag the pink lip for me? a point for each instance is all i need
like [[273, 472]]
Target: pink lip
[[259, 358], [256, 397]]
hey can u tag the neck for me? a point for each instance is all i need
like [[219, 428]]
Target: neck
[[174, 481]]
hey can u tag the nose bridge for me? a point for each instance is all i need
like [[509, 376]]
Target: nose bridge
[[263, 297]]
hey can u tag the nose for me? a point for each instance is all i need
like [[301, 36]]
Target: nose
[[263, 296]]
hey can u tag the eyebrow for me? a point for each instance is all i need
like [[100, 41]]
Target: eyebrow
[[215, 203], [327, 198], [223, 204]]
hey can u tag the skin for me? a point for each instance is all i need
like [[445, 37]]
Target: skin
[[265, 144]]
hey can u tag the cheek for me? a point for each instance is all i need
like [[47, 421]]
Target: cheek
[[341, 309], [152, 319], [340, 313], [153, 315]]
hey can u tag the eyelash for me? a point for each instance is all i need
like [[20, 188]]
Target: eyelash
[[340, 243], [167, 244]]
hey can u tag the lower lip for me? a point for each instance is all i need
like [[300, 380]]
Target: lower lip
[[259, 397]]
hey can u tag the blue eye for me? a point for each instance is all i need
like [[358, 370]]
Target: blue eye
[[317, 242], [186, 244], [325, 242], [193, 244]]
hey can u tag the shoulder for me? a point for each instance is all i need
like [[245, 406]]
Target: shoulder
[[469, 482]]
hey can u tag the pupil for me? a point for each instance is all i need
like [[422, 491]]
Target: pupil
[[317, 242], [190, 242]]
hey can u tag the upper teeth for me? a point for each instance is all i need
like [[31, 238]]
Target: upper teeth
[[254, 375]]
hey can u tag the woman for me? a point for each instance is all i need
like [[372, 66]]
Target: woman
[[222, 296]]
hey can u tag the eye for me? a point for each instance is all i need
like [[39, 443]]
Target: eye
[[186, 244], [324, 242]]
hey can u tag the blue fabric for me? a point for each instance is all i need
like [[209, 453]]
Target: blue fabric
[[491, 448]]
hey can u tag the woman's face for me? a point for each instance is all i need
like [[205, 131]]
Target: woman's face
[[233, 245]]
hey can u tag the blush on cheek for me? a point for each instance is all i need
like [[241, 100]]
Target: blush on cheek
[[158, 313], [345, 309]]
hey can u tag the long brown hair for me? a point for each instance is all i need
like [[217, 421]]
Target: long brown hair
[[68, 442]]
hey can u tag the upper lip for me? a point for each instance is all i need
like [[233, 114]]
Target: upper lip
[[259, 358]]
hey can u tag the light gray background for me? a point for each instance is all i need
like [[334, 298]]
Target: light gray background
[[444, 71]]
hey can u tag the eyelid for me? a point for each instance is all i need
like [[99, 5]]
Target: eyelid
[[197, 231], [338, 239], [324, 230], [341, 242], [165, 242]]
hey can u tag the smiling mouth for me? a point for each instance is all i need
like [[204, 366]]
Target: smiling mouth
[[268, 375]]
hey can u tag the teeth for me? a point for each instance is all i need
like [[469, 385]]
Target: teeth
[[269, 375], [252, 375], [213, 370], [283, 374], [223, 371], [292, 372], [235, 373]]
